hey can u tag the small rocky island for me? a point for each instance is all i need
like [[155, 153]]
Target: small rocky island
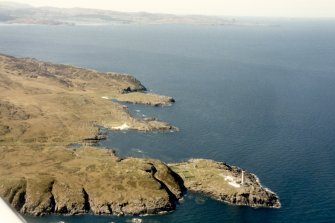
[[46, 107]]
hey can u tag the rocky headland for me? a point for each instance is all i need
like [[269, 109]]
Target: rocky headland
[[224, 183], [46, 107], [147, 99]]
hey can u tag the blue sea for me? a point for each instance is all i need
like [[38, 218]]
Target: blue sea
[[259, 97]]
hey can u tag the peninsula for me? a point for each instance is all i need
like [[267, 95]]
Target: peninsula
[[46, 107]]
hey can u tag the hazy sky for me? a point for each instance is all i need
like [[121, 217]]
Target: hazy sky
[[275, 8]]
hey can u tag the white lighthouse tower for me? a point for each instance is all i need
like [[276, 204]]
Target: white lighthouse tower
[[242, 178]]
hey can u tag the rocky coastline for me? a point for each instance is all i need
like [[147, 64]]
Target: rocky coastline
[[46, 107], [96, 181], [224, 183], [135, 98]]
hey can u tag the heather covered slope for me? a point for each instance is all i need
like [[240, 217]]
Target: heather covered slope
[[45, 107], [40, 180], [60, 104]]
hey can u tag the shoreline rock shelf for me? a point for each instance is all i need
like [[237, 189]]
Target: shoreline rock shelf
[[45, 107]]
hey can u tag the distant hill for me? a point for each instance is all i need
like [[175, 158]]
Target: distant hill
[[13, 5], [25, 14]]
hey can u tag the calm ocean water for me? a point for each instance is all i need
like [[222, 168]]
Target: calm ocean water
[[259, 97]]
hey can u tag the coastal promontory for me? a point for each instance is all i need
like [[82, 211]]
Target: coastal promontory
[[226, 183], [51, 117]]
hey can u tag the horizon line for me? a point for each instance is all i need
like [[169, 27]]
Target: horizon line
[[173, 13]]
